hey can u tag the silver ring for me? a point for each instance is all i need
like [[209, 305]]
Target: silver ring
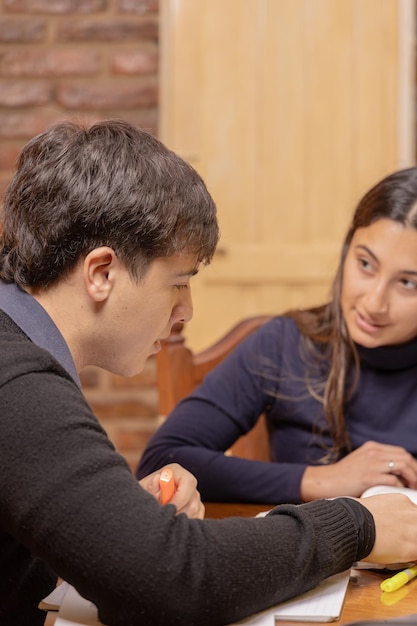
[[391, 466]]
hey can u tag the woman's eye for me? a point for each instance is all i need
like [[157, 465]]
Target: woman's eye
[[179, 287], [408, 284], [364, 264]]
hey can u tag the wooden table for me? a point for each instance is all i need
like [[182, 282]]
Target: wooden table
[[364, 599]]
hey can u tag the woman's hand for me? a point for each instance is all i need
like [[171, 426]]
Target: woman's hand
[[186, 497], [371, 464]]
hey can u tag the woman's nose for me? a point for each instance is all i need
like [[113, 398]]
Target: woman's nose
[[376, 301]]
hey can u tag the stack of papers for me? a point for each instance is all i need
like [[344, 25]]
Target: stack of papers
[[322, 604]]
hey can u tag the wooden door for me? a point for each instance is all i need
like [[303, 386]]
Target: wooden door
[[290, 110]]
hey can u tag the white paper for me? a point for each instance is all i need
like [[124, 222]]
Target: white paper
[[322, 604], [53, 601], [77, 611]]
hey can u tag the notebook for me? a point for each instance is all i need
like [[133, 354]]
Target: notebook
[[380, 489], [321, 604]]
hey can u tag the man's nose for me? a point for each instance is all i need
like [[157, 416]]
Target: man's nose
[[183, 312]]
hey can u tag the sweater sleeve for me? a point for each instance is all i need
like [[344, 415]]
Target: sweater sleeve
[[224, 407], [72, 501]]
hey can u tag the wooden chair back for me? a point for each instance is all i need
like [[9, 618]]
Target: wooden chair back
[[179, 371]]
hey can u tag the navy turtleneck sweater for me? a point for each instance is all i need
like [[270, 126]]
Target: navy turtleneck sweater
[[266, 374]]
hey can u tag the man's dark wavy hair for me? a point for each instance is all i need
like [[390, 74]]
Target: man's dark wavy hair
[[111, 184]]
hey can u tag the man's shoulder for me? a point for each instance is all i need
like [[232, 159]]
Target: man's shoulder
[[10, 333], [19, 355]]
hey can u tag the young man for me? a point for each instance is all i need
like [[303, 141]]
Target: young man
[[102, 229]]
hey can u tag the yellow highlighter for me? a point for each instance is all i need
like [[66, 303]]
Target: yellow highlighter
[[399, 580]]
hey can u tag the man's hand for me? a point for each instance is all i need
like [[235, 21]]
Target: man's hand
[[395, 517], [186, 497]]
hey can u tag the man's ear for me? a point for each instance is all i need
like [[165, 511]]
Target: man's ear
[[99, 266]]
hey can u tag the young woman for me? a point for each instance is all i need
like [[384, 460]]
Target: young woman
[[338, 383]]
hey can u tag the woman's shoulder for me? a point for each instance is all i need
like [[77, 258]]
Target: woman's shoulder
[[282, 325], [277, 334]]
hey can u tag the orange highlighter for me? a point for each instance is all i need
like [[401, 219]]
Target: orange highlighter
[[167, 485]]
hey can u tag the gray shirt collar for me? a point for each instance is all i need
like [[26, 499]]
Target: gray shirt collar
[[35, 322]]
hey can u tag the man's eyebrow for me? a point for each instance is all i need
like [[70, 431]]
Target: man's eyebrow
[[189, 273]]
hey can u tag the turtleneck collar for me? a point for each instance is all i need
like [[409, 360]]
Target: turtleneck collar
[[398, 357]]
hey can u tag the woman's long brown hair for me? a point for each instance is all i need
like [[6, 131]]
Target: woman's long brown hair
[[324, 334]]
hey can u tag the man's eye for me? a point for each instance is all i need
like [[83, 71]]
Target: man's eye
[[179, 287]]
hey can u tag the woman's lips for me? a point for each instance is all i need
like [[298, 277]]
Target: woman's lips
[[366, 325]]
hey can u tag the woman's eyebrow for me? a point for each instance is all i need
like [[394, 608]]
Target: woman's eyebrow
[[366, 249], [409, 272]]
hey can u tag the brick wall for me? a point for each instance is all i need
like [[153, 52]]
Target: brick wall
[[85, 60]]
